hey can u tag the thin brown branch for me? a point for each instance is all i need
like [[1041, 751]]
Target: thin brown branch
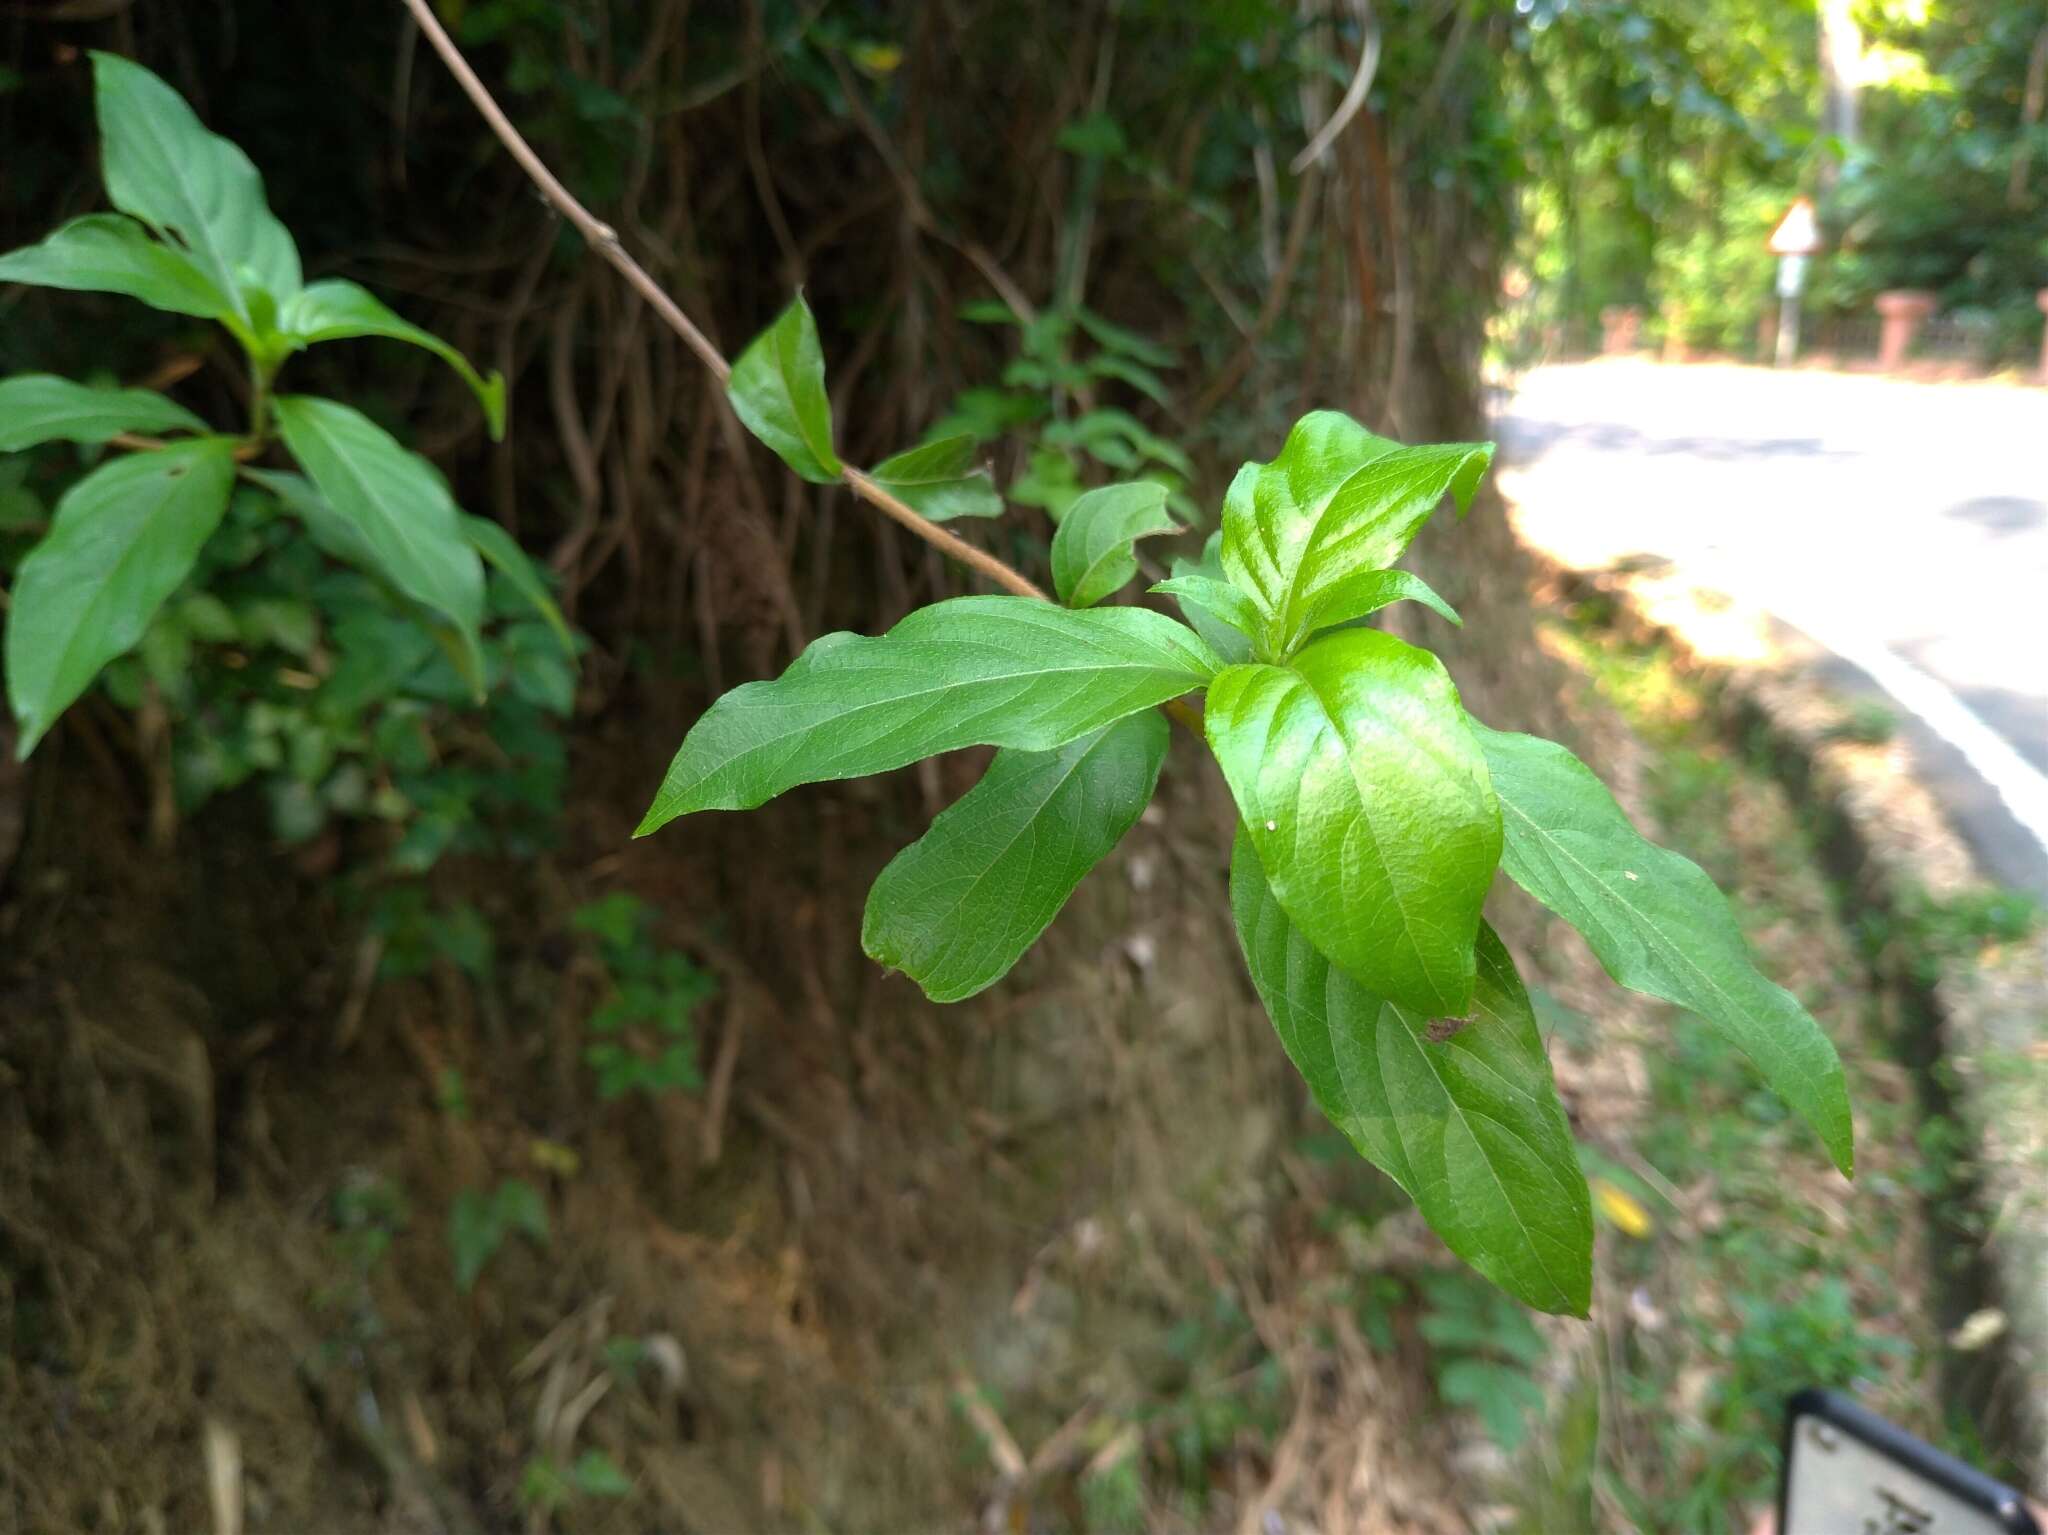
[[961, 550], [599, 235], [605, 240]]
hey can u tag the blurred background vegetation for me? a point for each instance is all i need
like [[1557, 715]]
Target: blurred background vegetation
[[385, 1137], [1667, 140]]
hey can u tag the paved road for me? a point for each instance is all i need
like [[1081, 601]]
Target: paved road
[[1902, 526]]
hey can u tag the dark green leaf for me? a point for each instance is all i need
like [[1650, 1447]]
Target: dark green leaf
[[1092, 551], [1368, 801], [40, 407], [163, 167], [778, 388], [1338, 501], [337, 311], [959, 906], [1142, 379], [121, 541], [940, 480], [972, 671], [1470, 1125], [1118, 339], [502, 552], [335, 534], [106, 253], [1656, 922], [396, 502]]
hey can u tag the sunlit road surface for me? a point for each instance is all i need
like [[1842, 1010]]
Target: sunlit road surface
[[1903, 527]]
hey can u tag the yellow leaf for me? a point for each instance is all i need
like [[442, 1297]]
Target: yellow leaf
[[554, 1157], [877, 59], [1621, 1210]]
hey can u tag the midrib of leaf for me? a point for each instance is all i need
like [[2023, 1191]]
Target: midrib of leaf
[[199, 238], [934, 693], [1665, 942], [1029, 828], [128, 556], [1365, 809], [1101, 559], [1465, 1116], [385, 513], [786, 360]]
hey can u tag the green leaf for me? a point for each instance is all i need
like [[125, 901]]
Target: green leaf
[[959, 906], [337, 311], [121, 541], [40, 407], [1338, 501], [1367, 591], [1656, 922], [333, 533], [972, 671], [1505, 1397], [1094, 137], [778, 388], [163, 167], [1470, 1126], [1233, 621], [1092, 553], [1368, 801], [503, 554], [106, 253], [396, 503], [940, 480], [1128, 342], [1142, 379], [596, 1475], [1199, 597]]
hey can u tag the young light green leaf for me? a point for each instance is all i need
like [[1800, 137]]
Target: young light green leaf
[[778, 389], [1368, 802], [1469, 1124], [940, 480], [1223, 625], [1656, 922], [959, 906], [107, 253], [334, 310], [1337, 501], [1200, 597], [502, 552], [972, 671], [164, 167], [120, 542], [1367, 591], [396, 502], [40, 407], [1092, 551]]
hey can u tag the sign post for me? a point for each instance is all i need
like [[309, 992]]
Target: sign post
[[1793, 242]]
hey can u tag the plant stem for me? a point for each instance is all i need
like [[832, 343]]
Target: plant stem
[[259, 402], [605, 240], [961, 550]]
